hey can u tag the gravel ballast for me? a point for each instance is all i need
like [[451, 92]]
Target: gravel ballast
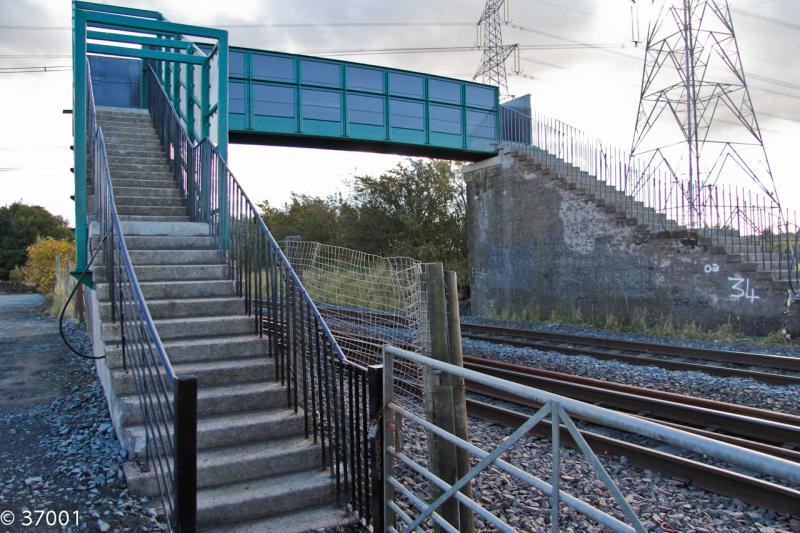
[[663, 505], [63, 456]]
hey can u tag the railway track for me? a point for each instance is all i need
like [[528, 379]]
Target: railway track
[[773, 369], [758, 429]]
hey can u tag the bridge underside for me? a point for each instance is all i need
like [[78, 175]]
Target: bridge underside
[[352, 145]]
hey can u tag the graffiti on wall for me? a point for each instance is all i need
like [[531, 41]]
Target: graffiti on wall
[[741, 289]]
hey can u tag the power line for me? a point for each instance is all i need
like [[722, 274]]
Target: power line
[[566, 8], [764, 18], [35, 56], [294, 25], [29, 70]]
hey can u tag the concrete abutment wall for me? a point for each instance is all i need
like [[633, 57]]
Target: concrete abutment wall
[[539, 247]]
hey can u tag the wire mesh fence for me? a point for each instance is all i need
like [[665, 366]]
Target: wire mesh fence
[[368, 301]]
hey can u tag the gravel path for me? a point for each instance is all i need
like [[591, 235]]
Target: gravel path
[[59, 451]]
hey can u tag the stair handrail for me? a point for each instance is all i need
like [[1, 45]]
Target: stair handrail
[[748, 222], [337, 407], [169, 407]]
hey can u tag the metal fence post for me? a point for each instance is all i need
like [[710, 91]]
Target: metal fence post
[[186, 454], [438, 392], [388, 437], [456, 357], [375, 436], [555, 479]]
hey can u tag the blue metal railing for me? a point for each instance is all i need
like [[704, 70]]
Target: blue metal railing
[[168, 402], [332, 391]]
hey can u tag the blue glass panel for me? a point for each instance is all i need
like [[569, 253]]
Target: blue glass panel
[[272, 67], [321, 105], [235, 97], [364, 79], [445, 119], [273, 101], [365, 110], [236, 63], [409, 115], [481, 124], [481, 97], [319, 73], [406, 85], [444, 91]]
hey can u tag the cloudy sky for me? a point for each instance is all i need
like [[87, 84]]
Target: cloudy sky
[[593, 88]]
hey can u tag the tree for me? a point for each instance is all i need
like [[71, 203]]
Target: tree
[[20, 225], [313, 218], [417, 209]]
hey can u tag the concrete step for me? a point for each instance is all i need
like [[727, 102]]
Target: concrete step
[[132, 113], [189, 307], [150, 144], [148, 150], [235, 464], [178, 290], [208, 374], [218, 401], [132, 139], [165, 242], [151, 210], [201, 350], [232, 429], [326, 518], [151, 181], [145, 218], [172, 200], [142, 158], [127, 126], [266, 497], [173, 272], [180, 229], [192, 327], [146, 168], [171, 192], [176, 257]]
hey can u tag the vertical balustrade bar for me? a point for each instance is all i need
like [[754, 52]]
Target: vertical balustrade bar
[[186, 454], [376, 444]]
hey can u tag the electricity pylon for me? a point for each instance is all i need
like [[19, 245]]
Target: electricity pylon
[[492, 69], [696, 118]]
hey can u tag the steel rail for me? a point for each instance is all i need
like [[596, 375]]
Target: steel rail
[[759, 424], [612, 349], [781, 428]]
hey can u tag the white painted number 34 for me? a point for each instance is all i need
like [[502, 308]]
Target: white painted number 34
[[740, 288]]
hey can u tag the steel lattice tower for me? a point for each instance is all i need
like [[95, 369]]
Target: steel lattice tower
[[696, 118], [492, 69]]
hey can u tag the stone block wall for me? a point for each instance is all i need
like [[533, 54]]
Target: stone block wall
[[538, 247]]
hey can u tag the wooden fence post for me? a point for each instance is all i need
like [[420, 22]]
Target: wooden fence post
[[438, 391], [456, 357]]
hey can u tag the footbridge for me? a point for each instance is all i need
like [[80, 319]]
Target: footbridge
[[241, 404]]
